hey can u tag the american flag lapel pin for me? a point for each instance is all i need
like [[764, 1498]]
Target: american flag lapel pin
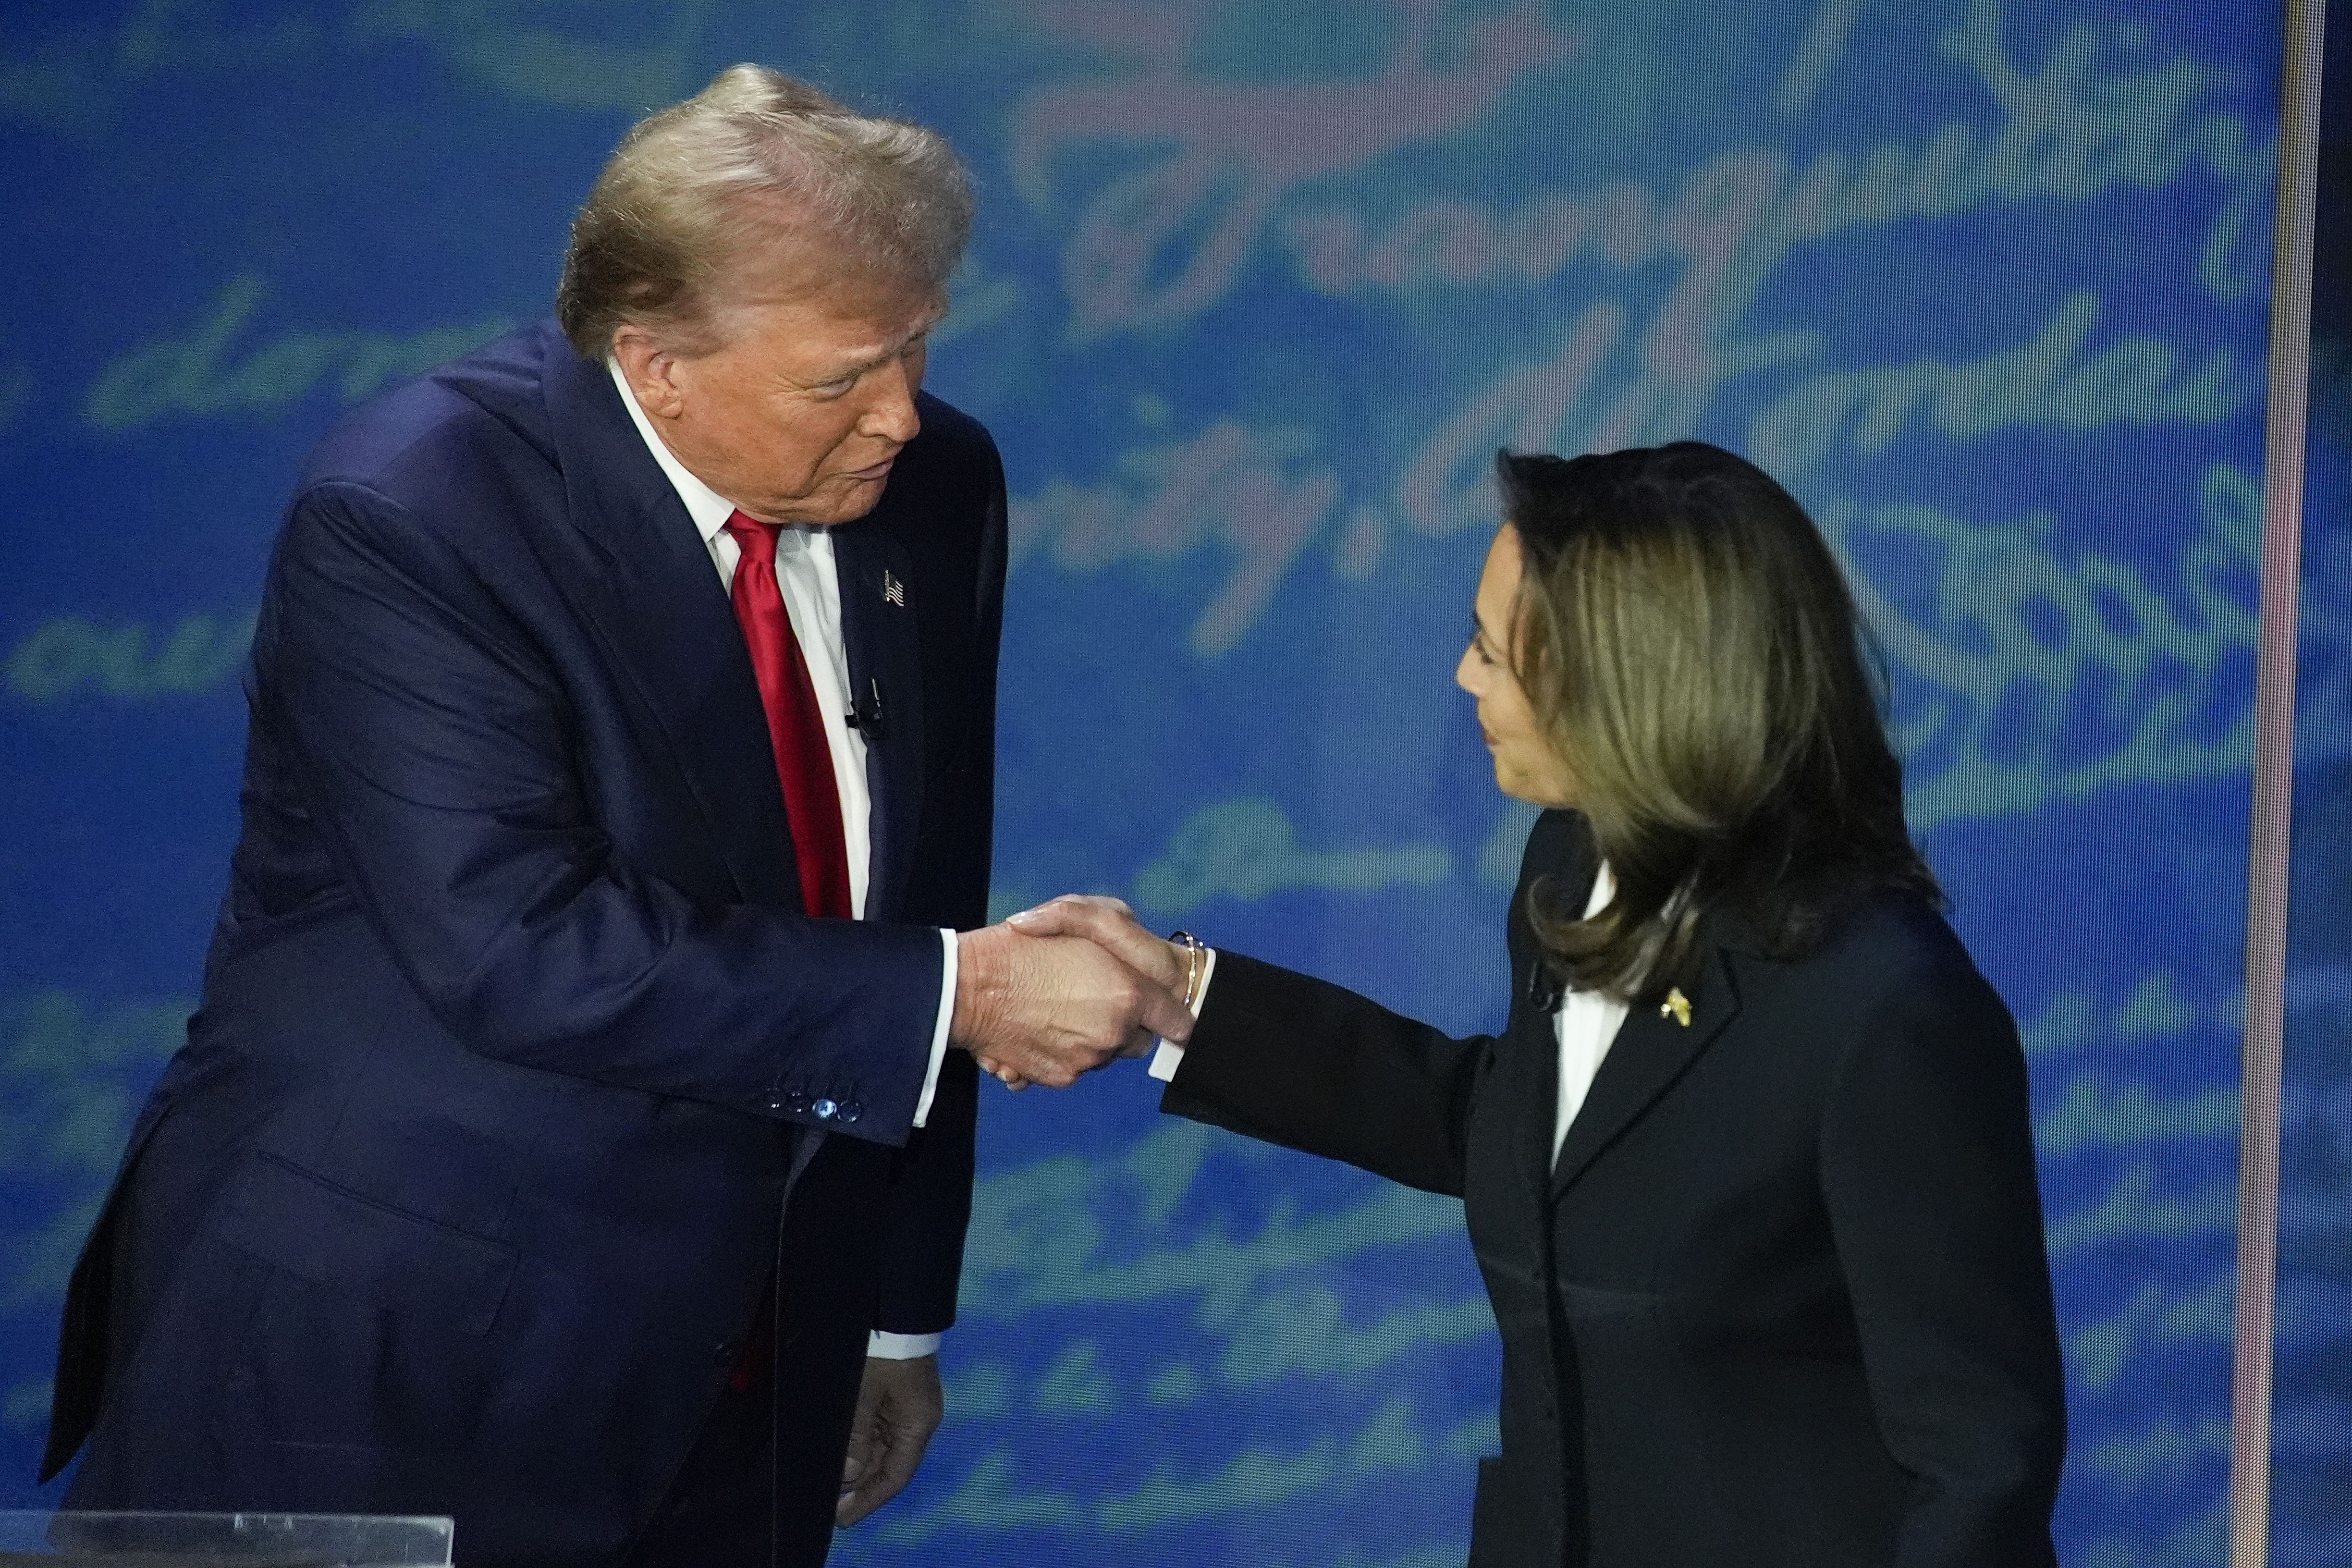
[[893, 590]]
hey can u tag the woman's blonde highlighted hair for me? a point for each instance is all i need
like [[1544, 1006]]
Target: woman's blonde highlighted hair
[[1688, 642]]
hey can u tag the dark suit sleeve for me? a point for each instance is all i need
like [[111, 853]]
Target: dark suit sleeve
[[437, 760], [1927, 1167], [929, 1202], [1290, 1059], [1293, 1060]]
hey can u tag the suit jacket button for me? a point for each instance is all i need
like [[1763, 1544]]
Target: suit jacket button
[[850, 1111], [824, 1108], [797, 1102]]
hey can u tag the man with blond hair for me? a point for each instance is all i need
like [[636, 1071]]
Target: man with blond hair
[[575, 1135]]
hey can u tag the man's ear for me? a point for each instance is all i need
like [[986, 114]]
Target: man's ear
[[649, 369]]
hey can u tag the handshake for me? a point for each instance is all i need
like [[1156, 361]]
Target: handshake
[[1056, 991]]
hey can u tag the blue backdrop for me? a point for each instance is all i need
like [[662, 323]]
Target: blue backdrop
[[1256, 288]]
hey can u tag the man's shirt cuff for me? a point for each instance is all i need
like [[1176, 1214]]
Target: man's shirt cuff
[[1169, 1056], [882, 1346], [938, 1049]]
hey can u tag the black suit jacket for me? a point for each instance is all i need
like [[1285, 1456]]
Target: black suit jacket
[[514, 1034], [1780, 1302]]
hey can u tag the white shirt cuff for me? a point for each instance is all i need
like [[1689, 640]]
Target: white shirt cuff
[[939, 1052], [901, 1347], [1169, 1056]]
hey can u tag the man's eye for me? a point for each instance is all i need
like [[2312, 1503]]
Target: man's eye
[[834, 388]]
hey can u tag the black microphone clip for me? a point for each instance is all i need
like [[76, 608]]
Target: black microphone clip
[[864, 714]]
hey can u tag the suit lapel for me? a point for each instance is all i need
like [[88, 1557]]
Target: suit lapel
[[654, 597], [880, 603], [1652, 1050], [1534, 1051], [1531, 1040]]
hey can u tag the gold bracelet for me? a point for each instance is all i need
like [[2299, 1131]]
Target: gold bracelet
[[1196, 962]]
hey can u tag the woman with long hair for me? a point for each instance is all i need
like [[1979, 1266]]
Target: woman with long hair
[[1748, 1171]]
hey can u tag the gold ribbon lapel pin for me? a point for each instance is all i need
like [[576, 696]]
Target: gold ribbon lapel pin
[[1676, 1006]]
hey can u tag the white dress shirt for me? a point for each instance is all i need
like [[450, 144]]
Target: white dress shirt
[[1583, 1027], [811, 586]]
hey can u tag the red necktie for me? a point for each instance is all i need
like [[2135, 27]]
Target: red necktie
[[796, 727]]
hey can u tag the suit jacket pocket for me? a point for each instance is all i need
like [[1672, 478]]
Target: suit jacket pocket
[[314, 1229]]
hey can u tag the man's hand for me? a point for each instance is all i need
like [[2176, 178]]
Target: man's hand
[[899, 1408], [1110, 925], [1046, 1010]]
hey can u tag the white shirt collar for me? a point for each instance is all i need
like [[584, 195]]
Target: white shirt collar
[[1604, 888], [709, 508]]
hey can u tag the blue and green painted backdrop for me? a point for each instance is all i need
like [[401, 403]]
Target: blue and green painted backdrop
[[1257, 287]]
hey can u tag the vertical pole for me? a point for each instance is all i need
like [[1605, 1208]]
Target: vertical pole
[[2262, 1064]]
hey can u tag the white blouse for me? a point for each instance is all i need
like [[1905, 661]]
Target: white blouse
[[1585, 1027]]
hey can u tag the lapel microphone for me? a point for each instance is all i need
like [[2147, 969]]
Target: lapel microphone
[[1544, 989], [864, 714]]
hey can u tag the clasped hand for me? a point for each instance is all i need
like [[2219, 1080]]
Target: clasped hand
[[1056, 991]]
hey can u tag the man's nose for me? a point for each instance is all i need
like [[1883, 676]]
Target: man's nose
[[890, 405]]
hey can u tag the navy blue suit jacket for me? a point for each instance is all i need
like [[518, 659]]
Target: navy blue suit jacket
[[513, 1031]]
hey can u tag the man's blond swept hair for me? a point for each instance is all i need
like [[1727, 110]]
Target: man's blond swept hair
[[698, 197]]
